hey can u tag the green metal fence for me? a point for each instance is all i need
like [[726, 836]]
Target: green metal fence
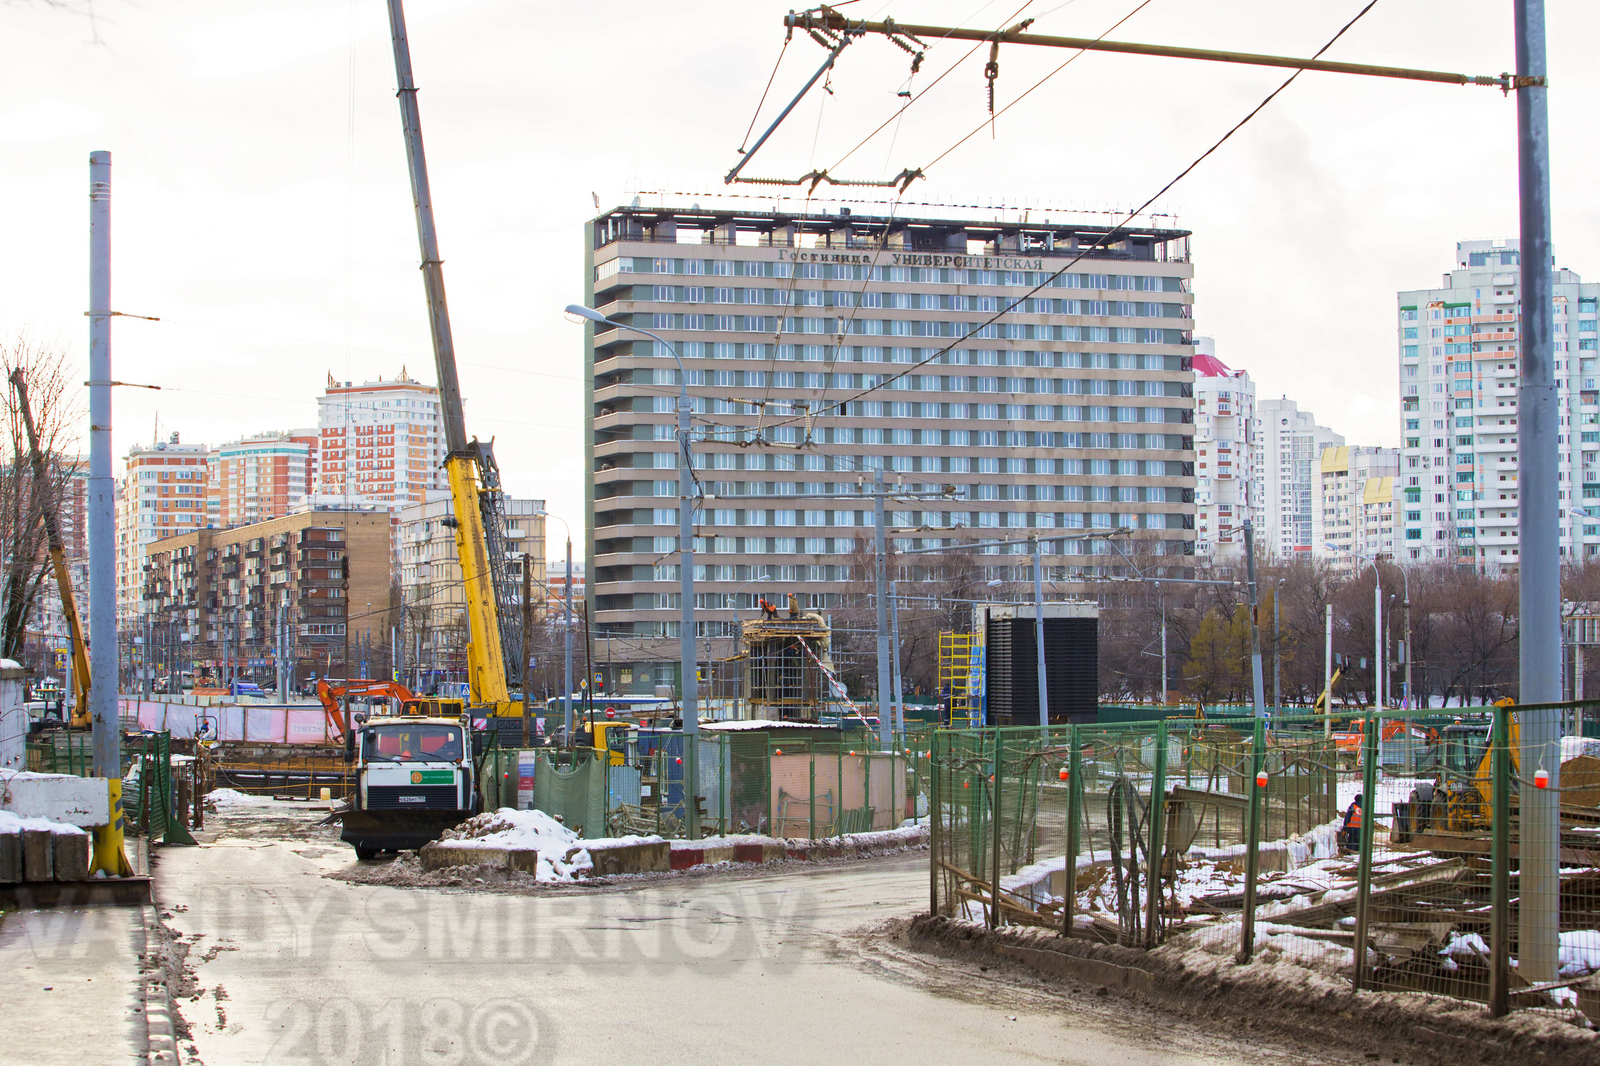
[[150, 793], [61, 751], [1230, 838]]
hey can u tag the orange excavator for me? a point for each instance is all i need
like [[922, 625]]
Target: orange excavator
[[332, 697]]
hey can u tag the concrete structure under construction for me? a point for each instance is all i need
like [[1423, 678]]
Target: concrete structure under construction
[[947, 352], [787, 664], [1459, 369], [214, 593]]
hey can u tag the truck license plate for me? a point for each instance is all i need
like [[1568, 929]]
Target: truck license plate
[[413, 799]]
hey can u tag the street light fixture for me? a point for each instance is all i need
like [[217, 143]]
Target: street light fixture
[[688, 671]]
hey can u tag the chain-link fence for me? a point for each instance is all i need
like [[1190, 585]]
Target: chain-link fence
[[1296, 840]]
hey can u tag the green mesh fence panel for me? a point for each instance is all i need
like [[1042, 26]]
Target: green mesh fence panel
[[575, 793]]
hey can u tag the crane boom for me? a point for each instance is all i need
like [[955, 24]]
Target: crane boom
[[45, 504], [468, 465]]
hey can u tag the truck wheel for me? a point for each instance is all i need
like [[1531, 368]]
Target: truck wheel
[[364, 854]]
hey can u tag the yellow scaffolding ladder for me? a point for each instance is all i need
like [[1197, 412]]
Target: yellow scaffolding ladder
[[955, 678]]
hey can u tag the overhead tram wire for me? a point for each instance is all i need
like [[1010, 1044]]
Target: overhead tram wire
[[770, 78], [1069, 61], [900, 113], [1120, 226]]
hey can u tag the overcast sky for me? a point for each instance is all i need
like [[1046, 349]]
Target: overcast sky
[[261, 206]]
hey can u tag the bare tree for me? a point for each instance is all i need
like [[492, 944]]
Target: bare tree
[[22, 537]]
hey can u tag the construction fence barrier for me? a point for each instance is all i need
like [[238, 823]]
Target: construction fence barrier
[[1292, 839]]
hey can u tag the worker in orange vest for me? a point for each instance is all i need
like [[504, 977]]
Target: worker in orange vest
[[1352, 824]]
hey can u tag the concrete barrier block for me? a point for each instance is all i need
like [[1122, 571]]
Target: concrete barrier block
[[72, 856], [38, 855], [11, 857], [439, 857], [652, 857], [81, 801]]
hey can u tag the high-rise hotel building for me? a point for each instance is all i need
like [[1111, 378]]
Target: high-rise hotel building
[[821, 348], [1460, 357]]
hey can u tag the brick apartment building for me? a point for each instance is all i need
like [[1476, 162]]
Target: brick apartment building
[[212, 588]]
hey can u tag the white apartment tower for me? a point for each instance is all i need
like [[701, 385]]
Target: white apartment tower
[[1459, 373], [381, 443], [1226, 490], [1288, 446]]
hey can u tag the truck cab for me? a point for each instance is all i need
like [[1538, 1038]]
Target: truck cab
[[416, 776]]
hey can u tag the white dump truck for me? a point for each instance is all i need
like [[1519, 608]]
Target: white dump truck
[[415, 777]]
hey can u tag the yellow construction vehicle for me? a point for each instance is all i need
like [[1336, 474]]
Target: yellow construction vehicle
[[469, 464], [46, 504]]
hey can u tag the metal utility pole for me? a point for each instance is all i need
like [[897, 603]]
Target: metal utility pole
[[107, 737], [144, 659], [1327, 673], [1277, 688], [1540, 573], [1258, 686], [1163, 596], [566, 691], [1377, 640], [527, 644], [885, 682], [894, 633], [1038, 633]]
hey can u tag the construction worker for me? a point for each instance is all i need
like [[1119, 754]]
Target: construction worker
[[794, 606], [1351, 835], [769, 610]]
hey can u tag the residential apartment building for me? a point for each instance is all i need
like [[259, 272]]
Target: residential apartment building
[[823, 348], [162, 494], [259, 477], [1288, 448], [218, 592], [1225, 429], [431, 584], [381, 443], [1459, 370], [1354, 508]]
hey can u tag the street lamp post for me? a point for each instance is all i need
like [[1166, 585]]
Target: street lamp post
[[1377, 622], [687, 666]]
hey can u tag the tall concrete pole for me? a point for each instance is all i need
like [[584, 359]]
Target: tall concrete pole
[[1258, 686], [885, 682], [108, 855], [1539, 611], [1038, 633], [1163, 697]]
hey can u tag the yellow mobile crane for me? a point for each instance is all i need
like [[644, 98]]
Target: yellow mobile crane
[[469, 464], [45, 502]]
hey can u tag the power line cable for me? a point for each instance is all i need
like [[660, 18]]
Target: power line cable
[[1114, 230]]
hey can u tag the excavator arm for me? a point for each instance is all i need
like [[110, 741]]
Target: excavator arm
[[45, 504]]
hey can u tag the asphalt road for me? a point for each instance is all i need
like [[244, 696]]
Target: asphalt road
[[290, 966]]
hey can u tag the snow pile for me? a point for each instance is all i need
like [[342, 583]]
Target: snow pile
[[11, 823], [562, 857], [1572, 747], [1580, 952], [227, 797]]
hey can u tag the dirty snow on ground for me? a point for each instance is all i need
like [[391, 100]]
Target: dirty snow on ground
[[11, 823], [228, 797], [562, 856]]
